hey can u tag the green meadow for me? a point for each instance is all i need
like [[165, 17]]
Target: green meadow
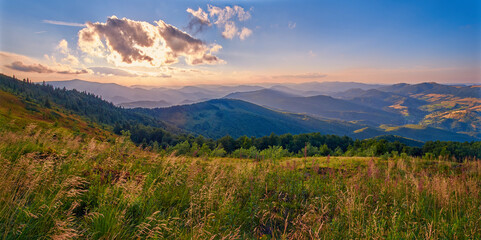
[[60, 184]]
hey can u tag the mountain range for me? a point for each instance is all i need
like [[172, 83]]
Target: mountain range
[[423, 112]]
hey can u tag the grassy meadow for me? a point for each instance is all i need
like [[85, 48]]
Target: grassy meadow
[[59, 184], [62, 177]]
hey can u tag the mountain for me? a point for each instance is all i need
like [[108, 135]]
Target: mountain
[[406, 106], [454, 108], [429, 133], [285, 89], [145, 104], [320, 106], [328, 88], [218, 117], [88, 106], [111, 92], [213, 118], [142, 96], [403, 140], [134, 94], [473, 91]]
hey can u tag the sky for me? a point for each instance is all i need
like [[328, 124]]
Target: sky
[[180, 42]]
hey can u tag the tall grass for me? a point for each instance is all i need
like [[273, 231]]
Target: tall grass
[[54, 184]]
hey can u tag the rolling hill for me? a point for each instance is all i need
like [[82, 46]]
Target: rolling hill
[[319, 106], [433, 88], [360, 114], [219, 117]]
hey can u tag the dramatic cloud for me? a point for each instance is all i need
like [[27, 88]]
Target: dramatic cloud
[[39, 68], [302, 76], [224, 18], [124, 41], [70, 24], [199, 21]]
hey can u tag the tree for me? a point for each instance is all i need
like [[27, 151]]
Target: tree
[[47, 103]]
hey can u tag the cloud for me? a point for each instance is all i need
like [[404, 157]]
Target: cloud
[[20, 66], [199, 21], [69, 58], [224, 18], [126, 42], [70, 24], [230, 30], [302, 76], [87, 60], [245, 33], [63, 46], [39, 68], [291, 25]]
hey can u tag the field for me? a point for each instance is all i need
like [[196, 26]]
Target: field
[[61, 184]]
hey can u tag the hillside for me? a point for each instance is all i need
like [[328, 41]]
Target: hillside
[[145, 104], [219, 117], [452, 108], [58, 183], [216, 118], [86, 105], [320, 106], [433, 88]]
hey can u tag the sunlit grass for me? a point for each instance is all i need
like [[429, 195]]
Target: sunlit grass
[[57, 184]]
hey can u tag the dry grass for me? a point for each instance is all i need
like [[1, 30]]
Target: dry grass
[[55, 184]]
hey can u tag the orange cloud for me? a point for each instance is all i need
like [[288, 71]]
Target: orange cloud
[[39, 68], [126, 42]]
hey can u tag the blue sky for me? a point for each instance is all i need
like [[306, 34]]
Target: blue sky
[[292, 41]]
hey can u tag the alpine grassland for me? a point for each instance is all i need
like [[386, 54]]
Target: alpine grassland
[[70, 179]]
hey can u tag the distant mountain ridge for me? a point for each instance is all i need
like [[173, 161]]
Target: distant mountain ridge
[[118, 94], [456, 109], [320, 105], [219, 117]]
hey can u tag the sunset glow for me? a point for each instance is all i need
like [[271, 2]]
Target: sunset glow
[[221, 42]]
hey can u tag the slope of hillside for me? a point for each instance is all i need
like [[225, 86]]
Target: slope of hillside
[[216, 118], [428, 133], [406, 106], [145, 104], [17, 114], [219, 117], [433, 88], [55, 184], [321, 106], [328, 88], [88, 106]]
